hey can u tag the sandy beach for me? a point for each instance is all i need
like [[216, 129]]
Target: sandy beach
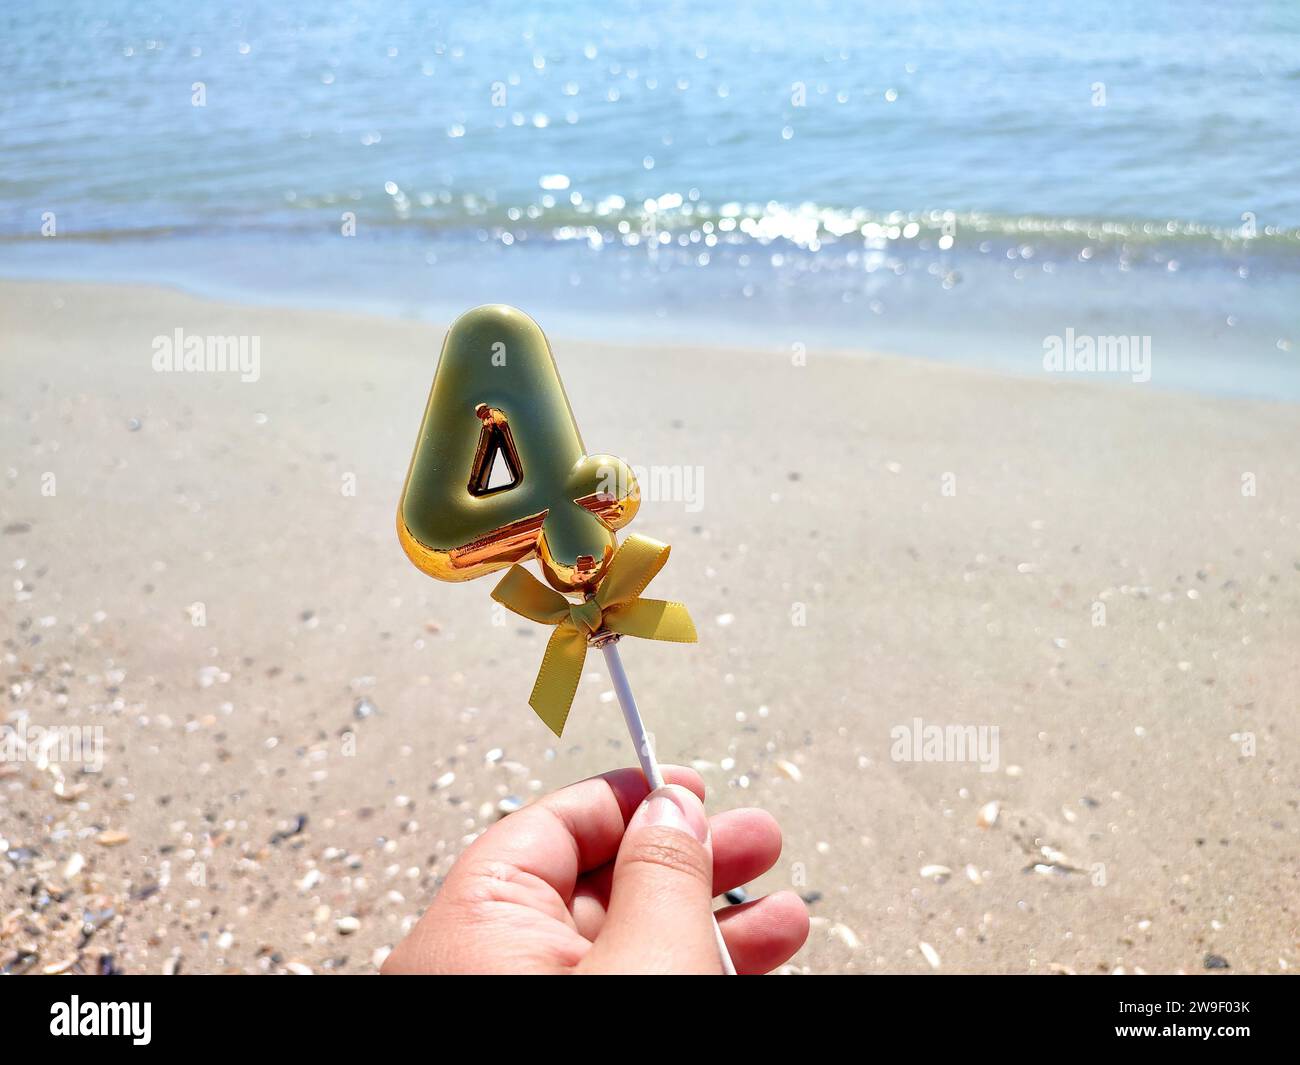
[[301, 732]]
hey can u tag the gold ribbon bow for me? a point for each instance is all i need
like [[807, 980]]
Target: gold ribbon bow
[[615, 607]]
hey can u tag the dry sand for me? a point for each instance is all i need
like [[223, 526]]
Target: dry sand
[[1133, 831]]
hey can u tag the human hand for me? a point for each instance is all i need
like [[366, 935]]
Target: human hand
[[592, 879]]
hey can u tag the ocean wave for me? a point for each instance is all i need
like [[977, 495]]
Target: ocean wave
[[684, 219]]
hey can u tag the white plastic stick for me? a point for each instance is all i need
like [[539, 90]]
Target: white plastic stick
[[646, 755]]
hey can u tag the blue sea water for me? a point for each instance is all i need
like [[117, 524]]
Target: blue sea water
[[957, 180]]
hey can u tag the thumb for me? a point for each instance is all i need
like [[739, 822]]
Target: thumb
[[660, 917]]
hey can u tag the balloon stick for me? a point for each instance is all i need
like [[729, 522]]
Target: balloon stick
[[608, 644]]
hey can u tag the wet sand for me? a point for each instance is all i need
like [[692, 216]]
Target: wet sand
[[877, 540]]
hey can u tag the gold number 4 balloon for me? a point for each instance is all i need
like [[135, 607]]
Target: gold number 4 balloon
[[500, 473]]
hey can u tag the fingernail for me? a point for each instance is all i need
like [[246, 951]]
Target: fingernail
[[673, 806]]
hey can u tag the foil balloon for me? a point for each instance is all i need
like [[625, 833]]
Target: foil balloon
[[500, 473]]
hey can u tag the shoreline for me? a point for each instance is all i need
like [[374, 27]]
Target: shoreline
[[1216, 330], [1129, 830], [1119, 378]]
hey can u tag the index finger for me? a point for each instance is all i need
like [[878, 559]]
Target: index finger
[[566, 833]]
